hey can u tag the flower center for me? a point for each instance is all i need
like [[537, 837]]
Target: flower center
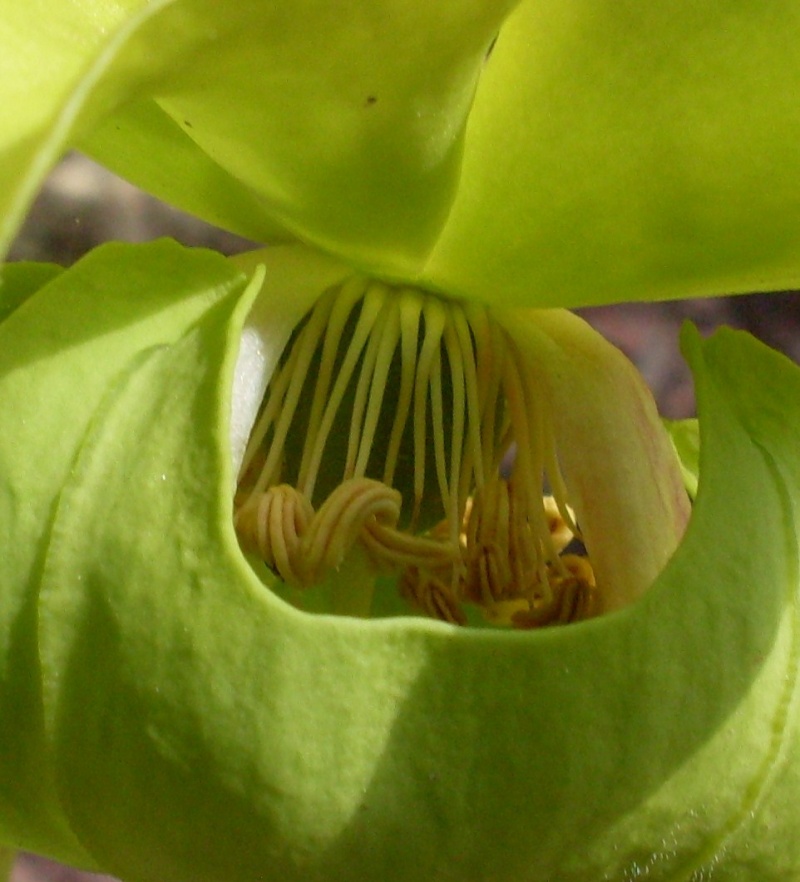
[[405, 428]]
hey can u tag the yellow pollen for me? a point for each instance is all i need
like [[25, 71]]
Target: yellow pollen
[[383, 388]]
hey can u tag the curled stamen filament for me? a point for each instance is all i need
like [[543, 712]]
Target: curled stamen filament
[[383, 387], [302, 545]]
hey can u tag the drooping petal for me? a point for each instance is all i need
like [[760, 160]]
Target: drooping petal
[[623, 151], [339, 124], [243, 739], [54, 58], [620, 469], [141, 143]]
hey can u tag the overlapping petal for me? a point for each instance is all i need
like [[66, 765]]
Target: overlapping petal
[[610, 153], [55, 57], [347, 132], [241, 738]]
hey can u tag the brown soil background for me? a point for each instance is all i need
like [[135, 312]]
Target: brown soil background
[[83, 205]]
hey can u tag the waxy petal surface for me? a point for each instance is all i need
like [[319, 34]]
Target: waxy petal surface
[[58, 353], [347, 133], [620, 151], [241, 738]]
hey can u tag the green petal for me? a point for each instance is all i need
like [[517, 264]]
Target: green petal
[[624, 151], [58, 353], [142, 143], [347, 120], [53, 74], [240, 738], [345, 123], [762, 390], [21, 280], [66, 66], [71, 70]]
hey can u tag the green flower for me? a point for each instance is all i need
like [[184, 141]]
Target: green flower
[[164, 712]]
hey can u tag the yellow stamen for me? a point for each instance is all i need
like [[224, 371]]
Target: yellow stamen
[[371, 307], [410, 313], [378, 383], [343, 304]]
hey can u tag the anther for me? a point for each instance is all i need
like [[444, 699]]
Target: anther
[[385, 428]]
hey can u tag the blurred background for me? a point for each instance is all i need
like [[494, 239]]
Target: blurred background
[[83, 205]]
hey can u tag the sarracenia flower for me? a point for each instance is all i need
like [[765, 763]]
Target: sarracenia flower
[[358, 557]]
